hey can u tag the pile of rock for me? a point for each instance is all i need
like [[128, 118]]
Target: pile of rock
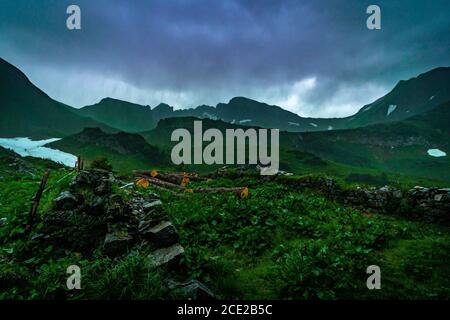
[[91, 216]]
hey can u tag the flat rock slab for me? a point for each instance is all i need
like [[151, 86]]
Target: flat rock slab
[[167, 255]]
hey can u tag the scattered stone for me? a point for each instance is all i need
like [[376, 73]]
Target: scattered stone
[[149, 205], [128, 186], [117, 243], [163, 234], [105, 187], [65, 201], [2, 221], [192, 289], [97, 207], [397, 194], [170, 255]]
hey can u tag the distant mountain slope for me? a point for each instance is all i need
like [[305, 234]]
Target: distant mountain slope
[[25, 110], [393, 147], [126, 151], [250, 112], [408, 98], [120, 114]]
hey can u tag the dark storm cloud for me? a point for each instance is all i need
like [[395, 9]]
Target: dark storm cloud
[[193, 52]]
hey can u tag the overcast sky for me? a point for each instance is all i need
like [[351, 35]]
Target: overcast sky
[[315, 58]]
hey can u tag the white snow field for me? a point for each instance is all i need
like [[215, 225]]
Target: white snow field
[[391, 109], [436, 153], [35, 148]]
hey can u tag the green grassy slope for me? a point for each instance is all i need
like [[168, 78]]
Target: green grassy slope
[[399, 147], [276, 244], [126, 151], [124, 115], [411, 97], [25, 110], [380, 154]]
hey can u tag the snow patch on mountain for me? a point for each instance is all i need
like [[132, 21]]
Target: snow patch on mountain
[[436, 153], [313, 124], [245, 121], [210, 116], [294, 124], [391, 109], [35, 148]]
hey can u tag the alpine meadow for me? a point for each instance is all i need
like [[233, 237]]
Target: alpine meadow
[[224, 150]]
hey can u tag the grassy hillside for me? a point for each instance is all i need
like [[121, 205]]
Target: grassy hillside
[[26, 111], [362, 155], [399, 147], [126, 151], [279, 243], [414, 96], [124, 115]]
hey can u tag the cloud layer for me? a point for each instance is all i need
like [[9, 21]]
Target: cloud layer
[[316, 58]]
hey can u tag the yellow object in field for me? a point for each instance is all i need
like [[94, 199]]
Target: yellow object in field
[[143, 183], [189, 190], [154, 173], [244, 193], [185, 181]]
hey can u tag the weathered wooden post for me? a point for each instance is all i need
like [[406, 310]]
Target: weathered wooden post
[[36, 200], [78, 163]]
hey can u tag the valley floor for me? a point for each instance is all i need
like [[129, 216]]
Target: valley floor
[[278, 243]]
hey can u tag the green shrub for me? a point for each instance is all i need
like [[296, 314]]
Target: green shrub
[[101, 163]]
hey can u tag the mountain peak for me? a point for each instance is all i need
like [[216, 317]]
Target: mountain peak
[[163, 106], [242, 100]]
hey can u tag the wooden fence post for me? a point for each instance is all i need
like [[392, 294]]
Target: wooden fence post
[[78, 163], [36, 200]]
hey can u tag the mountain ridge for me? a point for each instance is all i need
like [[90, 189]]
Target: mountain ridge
[[403, 101], [26, 110]]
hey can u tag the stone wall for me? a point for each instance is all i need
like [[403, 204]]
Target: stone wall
[[428, 204]]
